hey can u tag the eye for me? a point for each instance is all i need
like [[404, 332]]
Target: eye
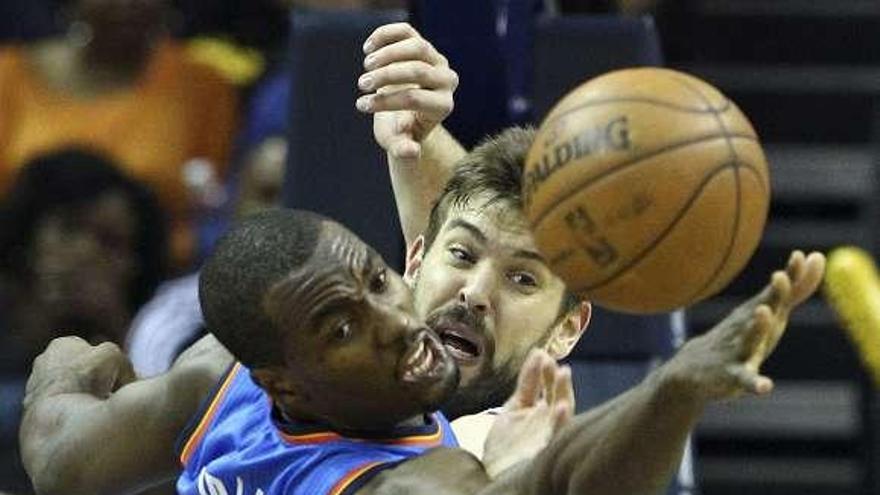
[[461, 254], [379, 282], [343, 331], [523, 279]]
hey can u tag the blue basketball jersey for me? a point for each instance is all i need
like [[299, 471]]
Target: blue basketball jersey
[[238, 446]]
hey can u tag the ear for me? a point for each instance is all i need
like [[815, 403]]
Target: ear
[[414, 256], [569, 331], [279, 387]]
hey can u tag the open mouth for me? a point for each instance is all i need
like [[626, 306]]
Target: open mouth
[[463, 344], [425, 361]]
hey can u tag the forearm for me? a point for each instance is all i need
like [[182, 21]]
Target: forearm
[[417, 187], [70, 445], [441, 471], [632, 444]]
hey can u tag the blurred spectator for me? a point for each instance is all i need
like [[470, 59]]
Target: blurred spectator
[[115, 81], [81, 249]]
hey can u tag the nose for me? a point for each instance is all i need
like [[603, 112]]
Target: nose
[[398, 320], [398, 327], [476, 293]]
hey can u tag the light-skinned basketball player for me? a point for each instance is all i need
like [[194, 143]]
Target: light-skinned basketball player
[[469, 250], [618, 427]]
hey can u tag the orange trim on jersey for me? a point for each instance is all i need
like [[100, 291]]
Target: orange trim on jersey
[[202, 428], [353, 475], [429, 440]]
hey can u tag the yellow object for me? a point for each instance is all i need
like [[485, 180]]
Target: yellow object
[[239, 65], [852, 289], [178, 110]]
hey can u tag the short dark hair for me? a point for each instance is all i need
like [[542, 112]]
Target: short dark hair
[[258, 252], [495, 168], [70, 178]]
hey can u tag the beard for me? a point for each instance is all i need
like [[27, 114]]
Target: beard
[[491, 387]]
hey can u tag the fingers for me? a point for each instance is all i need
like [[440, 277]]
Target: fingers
[[562, 415], [804, 274], [548, 376], [399, 41], [751, 381], [387, 34], [405, 72], [528, 386], [795, 267], [563, 409], [434, 104], [809, 277], [120, 369], [409, 72], [111, 369]]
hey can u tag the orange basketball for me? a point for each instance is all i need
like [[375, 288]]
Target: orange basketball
[[647, 190]]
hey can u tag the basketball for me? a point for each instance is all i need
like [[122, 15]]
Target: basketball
[[647, 190]]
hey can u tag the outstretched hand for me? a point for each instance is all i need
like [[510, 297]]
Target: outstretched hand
[[726, 361], [541, 405], [408, 87]]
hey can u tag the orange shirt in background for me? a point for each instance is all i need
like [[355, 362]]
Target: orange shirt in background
[[178, 110]]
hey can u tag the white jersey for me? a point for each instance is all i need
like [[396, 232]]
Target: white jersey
[[171, 320]]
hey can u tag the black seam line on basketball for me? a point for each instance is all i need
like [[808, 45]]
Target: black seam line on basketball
[[729, 250], [734, 161], [660, 238], [748, 167], [626, 164], [693, 89], [649, 101]]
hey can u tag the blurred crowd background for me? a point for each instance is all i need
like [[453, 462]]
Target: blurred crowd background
[[132, 132]]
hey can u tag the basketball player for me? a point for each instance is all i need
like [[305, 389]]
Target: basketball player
[[334, 351]]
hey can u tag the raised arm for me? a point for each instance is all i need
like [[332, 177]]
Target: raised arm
[[89, 428], [634, 443], [408, 88]]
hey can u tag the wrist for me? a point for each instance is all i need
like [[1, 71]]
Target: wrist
[[674, 386]]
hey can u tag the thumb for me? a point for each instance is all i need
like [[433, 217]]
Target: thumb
[[404, 148]]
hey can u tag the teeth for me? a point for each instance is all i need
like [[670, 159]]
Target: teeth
[[421, 361], [418, 355]]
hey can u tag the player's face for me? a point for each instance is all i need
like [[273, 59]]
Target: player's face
[[485, 290], [358, 354]]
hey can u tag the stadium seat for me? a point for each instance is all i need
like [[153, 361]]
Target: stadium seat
[[24, 20], [334, 165], [572, 49]]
